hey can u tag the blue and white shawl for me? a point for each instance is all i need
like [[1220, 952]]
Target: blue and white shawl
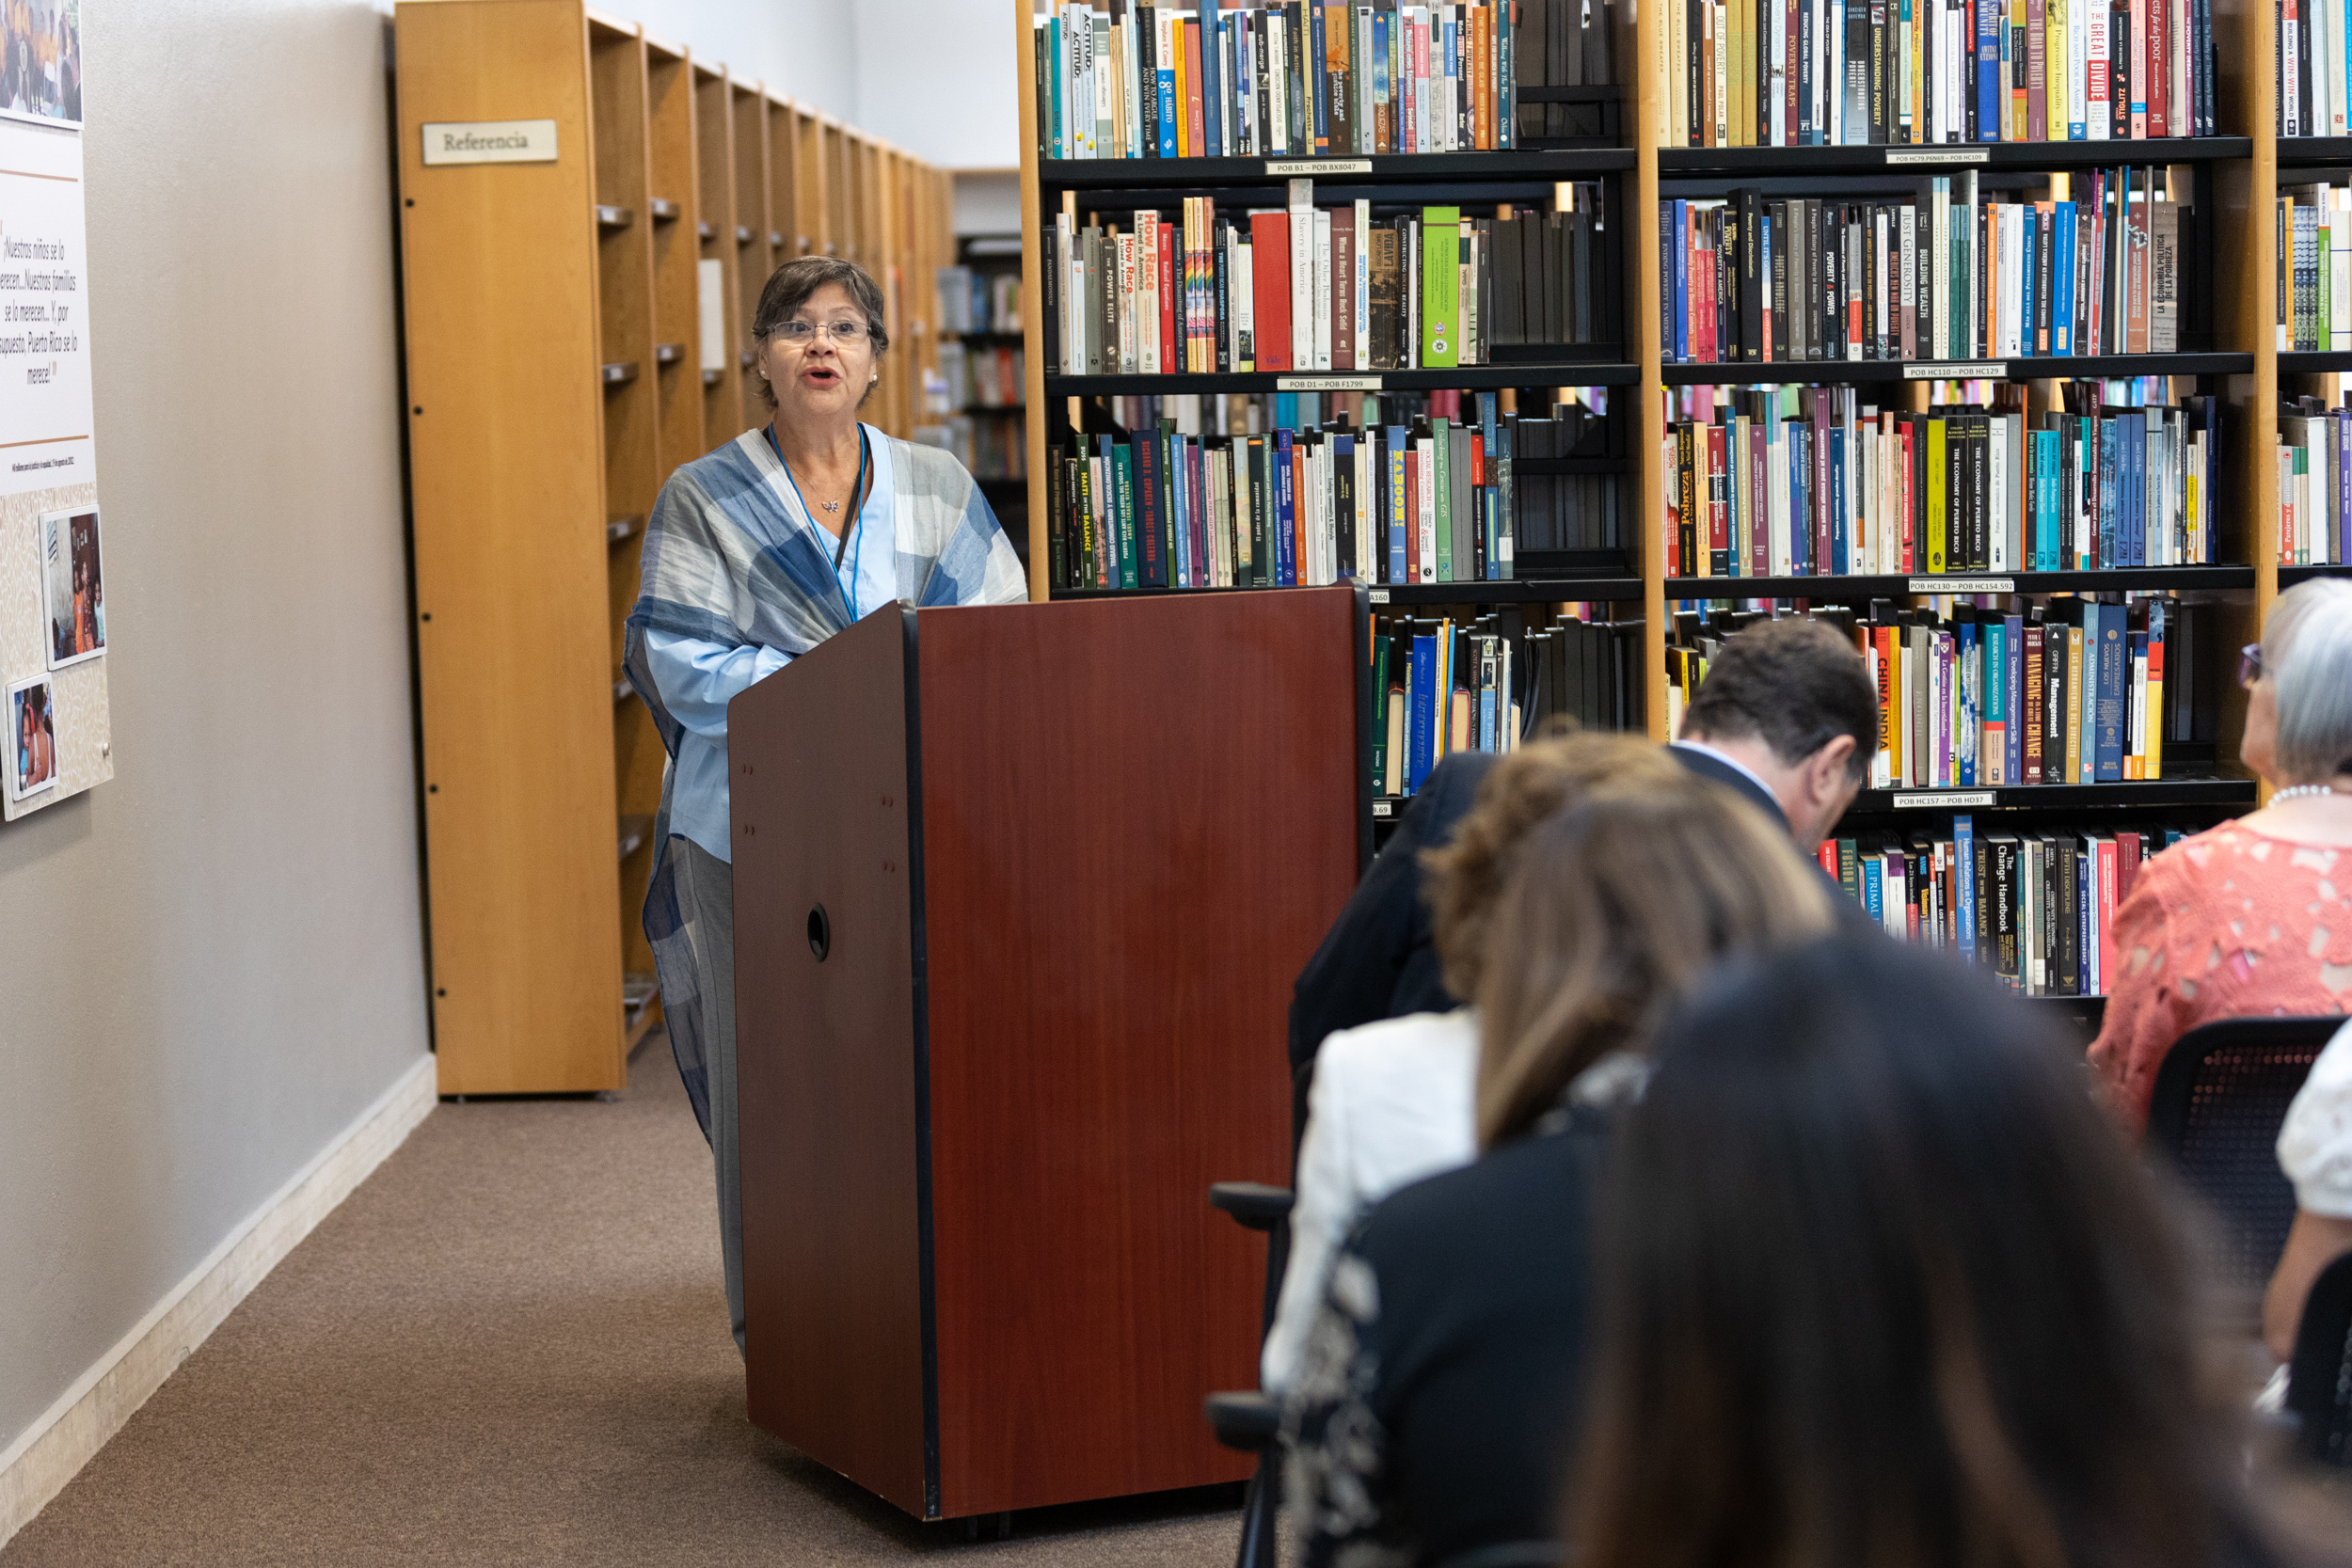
[[731, 558]]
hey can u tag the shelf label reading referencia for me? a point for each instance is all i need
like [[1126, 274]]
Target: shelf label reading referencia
[[1295, 169], [1945, 798], [1381, 808], [1963, 585], [490, 141], [1957, 370], [1326, 384], [1380, 595], [1897, 156]]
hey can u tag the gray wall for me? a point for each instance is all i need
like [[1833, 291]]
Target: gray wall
[[988, 203], [936, 77], [214, 963], [941, 79], [804, 49]]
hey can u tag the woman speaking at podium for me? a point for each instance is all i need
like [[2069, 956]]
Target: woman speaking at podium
[[754, 555]]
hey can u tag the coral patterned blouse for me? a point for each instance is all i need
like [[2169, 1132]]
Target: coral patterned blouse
[[2232, 923]]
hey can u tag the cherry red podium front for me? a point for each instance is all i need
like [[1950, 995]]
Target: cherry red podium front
[[1020, 892]]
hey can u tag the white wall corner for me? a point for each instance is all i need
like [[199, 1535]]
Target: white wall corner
[[36, 1466]]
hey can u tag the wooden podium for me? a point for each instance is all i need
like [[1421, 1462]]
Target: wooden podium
[[1020, 894]]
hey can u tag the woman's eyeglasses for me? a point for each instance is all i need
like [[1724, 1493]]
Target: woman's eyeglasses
[[800, 334], [2249, 665]]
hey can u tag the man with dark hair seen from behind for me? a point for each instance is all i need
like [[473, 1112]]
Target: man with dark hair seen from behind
[[1788, 718]]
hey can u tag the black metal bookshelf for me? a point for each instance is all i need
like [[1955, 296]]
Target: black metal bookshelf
[[2044, 368], [2302, 362], [1468, 378], [1684, 161], [1387, 594], [2311, 152], [1008, 495], [1855, 589], [2060, 800], [2192, 794], [1184, 175]]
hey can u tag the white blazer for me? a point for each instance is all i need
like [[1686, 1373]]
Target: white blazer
[[1392, 1103], [2315, 1143]]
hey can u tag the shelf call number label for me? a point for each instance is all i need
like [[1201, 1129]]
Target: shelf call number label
[[1957, 370], [489, 141], [1963, 585], [1937, 157]]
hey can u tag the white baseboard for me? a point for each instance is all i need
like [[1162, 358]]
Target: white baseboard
[[36, 1466]]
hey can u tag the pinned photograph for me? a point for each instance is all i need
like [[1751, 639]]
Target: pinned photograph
[[72, 588], [41, 70], [32, 738]]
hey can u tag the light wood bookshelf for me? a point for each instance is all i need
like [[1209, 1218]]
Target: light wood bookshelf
[[554, 344]]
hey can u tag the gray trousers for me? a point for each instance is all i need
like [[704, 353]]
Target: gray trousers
[[705, 895]]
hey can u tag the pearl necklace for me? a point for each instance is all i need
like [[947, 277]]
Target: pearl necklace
[[2297, 790]]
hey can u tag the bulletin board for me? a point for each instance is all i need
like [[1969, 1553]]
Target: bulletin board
[[55, 740]]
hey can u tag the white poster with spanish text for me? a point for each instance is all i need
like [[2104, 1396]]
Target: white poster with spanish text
[[54, 633]]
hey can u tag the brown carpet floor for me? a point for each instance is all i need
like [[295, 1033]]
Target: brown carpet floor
[[510, 1346]]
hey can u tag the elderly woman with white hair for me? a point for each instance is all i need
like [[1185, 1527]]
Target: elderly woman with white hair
[[2254, 917]]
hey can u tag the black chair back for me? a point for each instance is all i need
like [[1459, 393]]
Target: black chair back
[[2220, 1099], [2319, 1379]]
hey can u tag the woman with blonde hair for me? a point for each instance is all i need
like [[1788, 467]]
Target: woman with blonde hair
[[1439, 1383], [1390, 1101]]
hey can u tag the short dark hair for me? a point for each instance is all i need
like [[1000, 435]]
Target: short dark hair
[[1795, 684], [1881, 1283], [789, 286]]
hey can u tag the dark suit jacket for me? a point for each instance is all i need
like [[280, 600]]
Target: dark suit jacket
[[1379, 959]]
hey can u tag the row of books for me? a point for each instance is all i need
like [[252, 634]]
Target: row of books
[[1949, 273], [988, 448], [1589, 430], [1932, 72], [1304, 508], [1430, 501], [1301, 78], [2068, 691], [2314, 235], [975, 376], [2314, 456], [2307, 63], [2036, 908], [1809, 482], [1560, 44], [1445, 686], [1308, 288], [976, 300]]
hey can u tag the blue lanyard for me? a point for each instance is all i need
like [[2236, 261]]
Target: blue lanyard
[[854, 526]]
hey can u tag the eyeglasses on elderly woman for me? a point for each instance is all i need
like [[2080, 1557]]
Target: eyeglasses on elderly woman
[[800, 334]]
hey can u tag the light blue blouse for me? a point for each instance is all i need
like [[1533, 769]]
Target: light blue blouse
[[698, 679]]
